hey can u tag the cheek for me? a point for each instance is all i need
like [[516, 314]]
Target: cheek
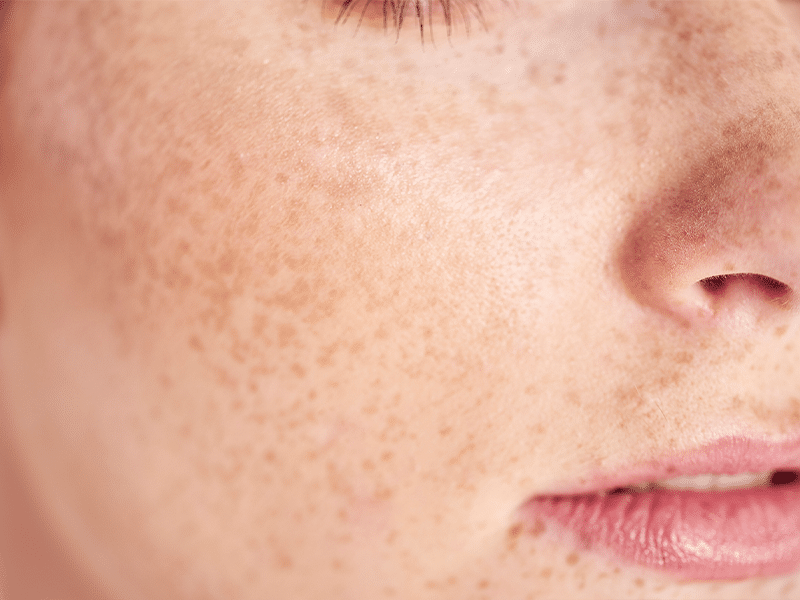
[[263, 337]]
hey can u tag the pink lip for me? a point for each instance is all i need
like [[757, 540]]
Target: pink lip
[[731, 534]]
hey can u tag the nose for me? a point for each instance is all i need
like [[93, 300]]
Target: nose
[[717, 240]]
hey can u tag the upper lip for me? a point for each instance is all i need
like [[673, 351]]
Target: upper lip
[[725, 456]]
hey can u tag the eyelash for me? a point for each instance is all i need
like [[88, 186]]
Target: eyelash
[[446, 12]]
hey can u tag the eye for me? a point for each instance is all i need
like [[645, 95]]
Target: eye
[[395, 15]]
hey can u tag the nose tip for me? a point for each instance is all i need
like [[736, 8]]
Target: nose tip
[[720, 241]]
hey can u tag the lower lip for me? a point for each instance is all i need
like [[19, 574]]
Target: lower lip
[[732, 534]]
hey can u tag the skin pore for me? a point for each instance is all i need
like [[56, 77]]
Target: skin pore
[[298, 309]]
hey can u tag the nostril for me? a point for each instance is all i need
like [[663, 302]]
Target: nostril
[[776, 290], [757, 287], [714, 285]]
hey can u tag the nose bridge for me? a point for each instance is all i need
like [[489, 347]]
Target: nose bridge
[[729, 200]]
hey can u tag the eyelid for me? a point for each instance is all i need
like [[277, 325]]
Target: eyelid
[[395, 15]]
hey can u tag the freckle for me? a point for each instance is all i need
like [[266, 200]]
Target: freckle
[[298, 370], [620, 335], [325, 359], [227, 263], [483, 584], [357, 347], [533, 73], [445, 431], [284, 561], [196, 344], [668, 380], [639, 582], [368, 465], [296, 298], [545, 573], [261, 370], [384, 494], [225, 378], [391, 537], [572, 559], [780, 330], [175, 207], [530, 390], [736, 403], [538, 429], [312, 394], [537, 529], [165, 381], [285, 335], [281, 178], [773, 183], [259, 324], [218, 201]]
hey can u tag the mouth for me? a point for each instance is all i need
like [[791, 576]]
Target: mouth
[[708, 482], [728, 511]]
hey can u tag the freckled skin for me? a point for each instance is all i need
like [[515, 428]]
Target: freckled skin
[[295, 311]]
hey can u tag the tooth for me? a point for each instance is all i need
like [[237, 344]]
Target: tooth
[[715, 482]]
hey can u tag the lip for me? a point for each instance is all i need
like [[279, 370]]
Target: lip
[[700, 535]]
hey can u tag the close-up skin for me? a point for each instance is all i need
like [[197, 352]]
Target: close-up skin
[[306, 299]]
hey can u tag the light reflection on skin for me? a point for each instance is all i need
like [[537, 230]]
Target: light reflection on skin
[[291, 312]]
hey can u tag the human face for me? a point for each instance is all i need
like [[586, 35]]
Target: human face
[[301, 310]]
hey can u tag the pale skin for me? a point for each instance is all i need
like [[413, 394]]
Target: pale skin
[[291, 310]]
